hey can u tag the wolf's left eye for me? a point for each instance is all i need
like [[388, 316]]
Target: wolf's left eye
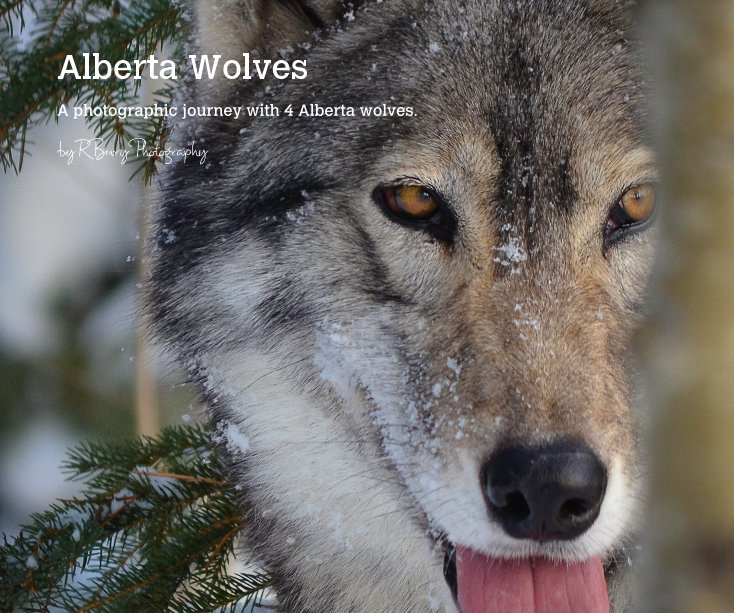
[[635, 206], [632, 212]]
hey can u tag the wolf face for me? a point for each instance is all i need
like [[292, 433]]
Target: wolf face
[[421, 323]]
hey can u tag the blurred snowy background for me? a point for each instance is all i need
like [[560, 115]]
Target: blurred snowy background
[[70, 368]]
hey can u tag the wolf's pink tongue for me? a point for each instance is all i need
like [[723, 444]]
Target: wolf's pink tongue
[[537, 585]]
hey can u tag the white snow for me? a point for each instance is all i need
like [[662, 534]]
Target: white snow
[[162, 485], [454, 365], [512, 252], [237, 443], [122, 498]]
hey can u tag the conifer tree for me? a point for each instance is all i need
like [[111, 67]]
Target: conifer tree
[[154, 530], [37, 36], [156, 526]]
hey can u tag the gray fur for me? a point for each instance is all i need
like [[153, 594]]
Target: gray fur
[[371, 366]]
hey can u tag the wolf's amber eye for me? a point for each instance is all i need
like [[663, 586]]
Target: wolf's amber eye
[[635, 206], [411, 201], [418, 207], [639, 202]]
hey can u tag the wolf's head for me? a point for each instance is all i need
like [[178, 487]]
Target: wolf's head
[[421, 321]]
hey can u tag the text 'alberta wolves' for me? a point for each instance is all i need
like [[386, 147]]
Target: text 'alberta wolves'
[[202, 66]]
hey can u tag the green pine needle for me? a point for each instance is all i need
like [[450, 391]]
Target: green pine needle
[[154, 530], [31, 57]]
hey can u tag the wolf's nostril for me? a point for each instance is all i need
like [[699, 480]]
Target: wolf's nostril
[[575, 509], [515, 508], [549, 492]]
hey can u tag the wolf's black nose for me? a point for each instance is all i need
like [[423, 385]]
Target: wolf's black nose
[[549, 492]]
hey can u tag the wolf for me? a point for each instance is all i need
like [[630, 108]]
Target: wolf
[[414, 331]]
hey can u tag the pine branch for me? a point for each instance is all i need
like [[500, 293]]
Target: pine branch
[[154, 530], [30, 91]]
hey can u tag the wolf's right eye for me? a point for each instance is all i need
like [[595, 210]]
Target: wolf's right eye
[[417, 206], [412, 201]]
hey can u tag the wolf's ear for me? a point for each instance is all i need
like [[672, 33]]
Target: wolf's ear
[[232, 27]]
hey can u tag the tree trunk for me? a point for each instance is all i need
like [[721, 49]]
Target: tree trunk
[[690, 528]]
